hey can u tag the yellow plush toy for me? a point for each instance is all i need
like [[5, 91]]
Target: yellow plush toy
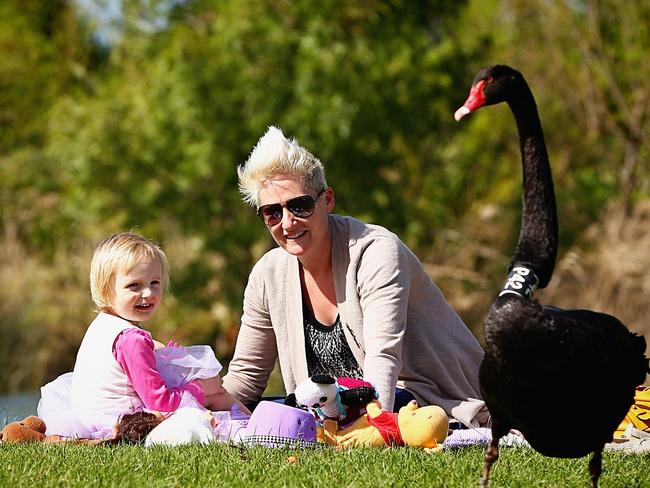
[[424, 427], [639, 413]]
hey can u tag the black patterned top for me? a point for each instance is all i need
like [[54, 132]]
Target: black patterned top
[[327, 350]]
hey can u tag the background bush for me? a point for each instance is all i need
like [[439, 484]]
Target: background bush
[[143, 129]]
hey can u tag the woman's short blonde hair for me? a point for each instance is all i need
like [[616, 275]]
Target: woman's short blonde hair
[[120, 253], [276, 155]]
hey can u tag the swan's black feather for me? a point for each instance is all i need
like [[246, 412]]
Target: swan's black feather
[[564, 378]]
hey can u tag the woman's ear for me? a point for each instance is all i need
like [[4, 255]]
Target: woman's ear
[[330, 199]]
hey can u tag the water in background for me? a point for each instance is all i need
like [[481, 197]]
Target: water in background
[[17, 407]]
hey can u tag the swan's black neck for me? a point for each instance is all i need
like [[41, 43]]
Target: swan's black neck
[[537, 245]]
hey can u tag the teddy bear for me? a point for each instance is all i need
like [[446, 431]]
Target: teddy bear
[[130, 429], [424, 427], [30, 429]]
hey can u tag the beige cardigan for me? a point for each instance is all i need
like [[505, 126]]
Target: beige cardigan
[[397, 323]]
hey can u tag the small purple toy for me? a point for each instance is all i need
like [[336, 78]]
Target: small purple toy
[[277, 425]]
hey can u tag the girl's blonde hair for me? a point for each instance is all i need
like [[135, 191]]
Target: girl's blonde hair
[[120, 253], [275, 155]]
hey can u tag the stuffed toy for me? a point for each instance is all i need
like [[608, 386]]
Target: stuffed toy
[[133, 428], [185, 426], [355, 395], [30, 429], [319, 395], [639, 414], [328, 398], [424, 427], [130, 429], [276, 425], [230, 425]]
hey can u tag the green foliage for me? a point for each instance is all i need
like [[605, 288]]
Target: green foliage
[[46, 52], [155, 147], [587, 64], [146, 134]]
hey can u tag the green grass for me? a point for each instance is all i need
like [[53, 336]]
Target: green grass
[[221, 465]]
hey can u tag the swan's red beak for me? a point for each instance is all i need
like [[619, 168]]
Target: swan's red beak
[[475, 100]]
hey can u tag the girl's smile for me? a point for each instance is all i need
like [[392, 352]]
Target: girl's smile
[[138, 292]]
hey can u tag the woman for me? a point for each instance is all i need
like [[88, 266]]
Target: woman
[[343, 297]]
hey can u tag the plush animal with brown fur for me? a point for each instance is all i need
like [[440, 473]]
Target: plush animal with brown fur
[[130, 429], [30, 429]]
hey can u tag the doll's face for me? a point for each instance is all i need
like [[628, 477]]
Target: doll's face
[[138, 292]]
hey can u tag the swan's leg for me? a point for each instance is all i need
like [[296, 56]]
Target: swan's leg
[[595, 466], [491, 455], [492, 451]]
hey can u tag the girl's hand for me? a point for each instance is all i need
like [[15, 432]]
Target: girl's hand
[[212, 386], [157, 345], [224, 401], [173, 344]]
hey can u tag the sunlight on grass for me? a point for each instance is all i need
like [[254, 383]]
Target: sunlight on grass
[[222, 465]]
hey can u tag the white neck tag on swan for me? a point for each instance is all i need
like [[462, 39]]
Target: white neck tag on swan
[[521, 281]]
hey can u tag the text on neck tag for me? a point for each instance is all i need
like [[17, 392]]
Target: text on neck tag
[[521, 281]]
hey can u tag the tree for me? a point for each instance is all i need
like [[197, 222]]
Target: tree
[[184, 105]]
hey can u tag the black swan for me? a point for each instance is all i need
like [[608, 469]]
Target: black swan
[[548, 371]]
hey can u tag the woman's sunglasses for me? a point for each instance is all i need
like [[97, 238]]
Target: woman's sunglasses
[[301, 207]]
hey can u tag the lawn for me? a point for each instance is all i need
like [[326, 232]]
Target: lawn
[[219, 465]]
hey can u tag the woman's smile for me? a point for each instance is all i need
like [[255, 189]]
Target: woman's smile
[[295, 236]]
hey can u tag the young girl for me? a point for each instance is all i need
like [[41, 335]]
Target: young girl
[[115, 371]]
